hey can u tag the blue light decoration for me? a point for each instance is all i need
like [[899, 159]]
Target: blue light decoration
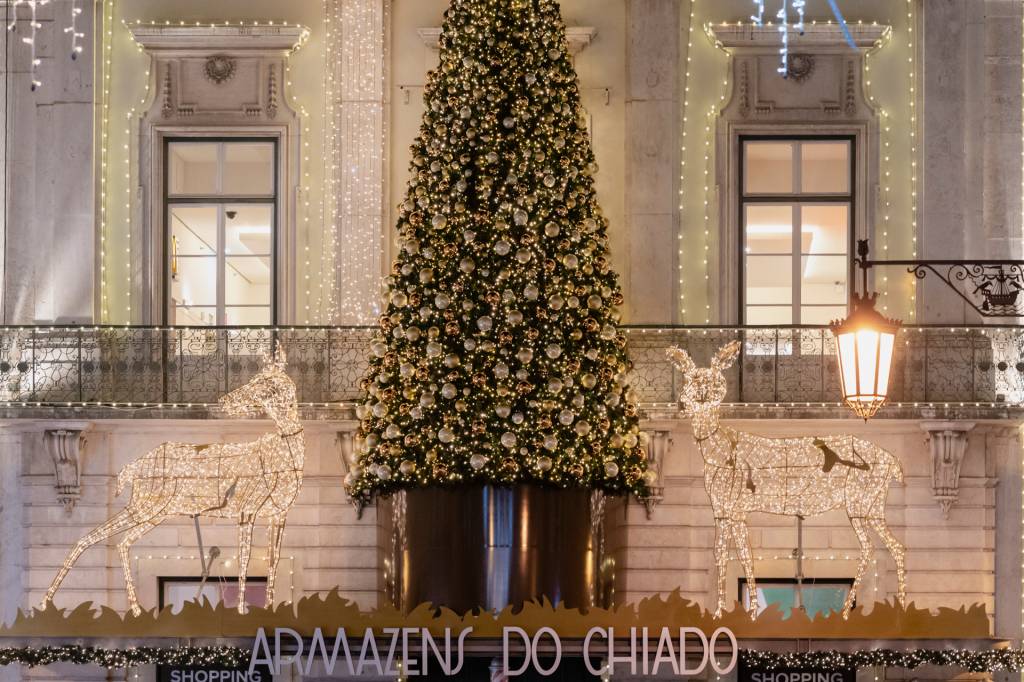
[[782, 15]]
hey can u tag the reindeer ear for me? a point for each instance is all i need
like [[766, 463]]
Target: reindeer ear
[[681, 359], [281, 358], [726, 356]]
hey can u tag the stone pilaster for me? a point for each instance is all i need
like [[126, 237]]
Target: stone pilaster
[[652, 159]]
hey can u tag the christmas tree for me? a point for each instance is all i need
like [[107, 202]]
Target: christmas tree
[[498, 359]]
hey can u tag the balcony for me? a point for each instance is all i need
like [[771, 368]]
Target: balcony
[[61, 367]]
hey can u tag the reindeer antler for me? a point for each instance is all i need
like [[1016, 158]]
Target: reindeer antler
[[681, 359], [726, 356]]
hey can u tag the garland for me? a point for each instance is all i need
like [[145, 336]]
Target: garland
[[227, 657]]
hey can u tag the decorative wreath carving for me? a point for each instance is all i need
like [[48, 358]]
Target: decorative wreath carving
[[799, 67], [219, 69]]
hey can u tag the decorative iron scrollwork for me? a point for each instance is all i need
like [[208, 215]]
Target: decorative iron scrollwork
[[991, 289]]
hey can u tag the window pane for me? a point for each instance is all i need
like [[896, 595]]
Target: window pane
[[822, 315], [186, 316], [247, 280], [248, 168], [192, 168], [248, 229], [824, 280], [769, 167], [825, 167], [770, 229], [194, 230], [769, 315], [195, 282], [825, 229], [247, 317], [769, 280]]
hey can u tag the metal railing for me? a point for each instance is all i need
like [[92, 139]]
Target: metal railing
[[183, 366]]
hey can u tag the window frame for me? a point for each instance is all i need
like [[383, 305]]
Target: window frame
[[272, 200], [743, 200], [742, 583]]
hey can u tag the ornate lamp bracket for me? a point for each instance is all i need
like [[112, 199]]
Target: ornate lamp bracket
[[947, 443], [65, 448], [657, 447]]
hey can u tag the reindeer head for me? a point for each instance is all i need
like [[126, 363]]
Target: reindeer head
[[705, 386], [271, 391]]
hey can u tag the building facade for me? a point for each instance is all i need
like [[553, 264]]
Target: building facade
[[207, 179]]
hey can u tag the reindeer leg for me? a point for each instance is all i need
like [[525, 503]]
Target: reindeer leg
[[112, 526], [275, 535], [124, 547], [898, 552], [860, 528], [723, 531], [245, 528], [742, 538]]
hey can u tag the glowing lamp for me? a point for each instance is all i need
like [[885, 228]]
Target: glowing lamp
[[865, 342]]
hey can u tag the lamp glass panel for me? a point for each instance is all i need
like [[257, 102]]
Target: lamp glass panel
[[867, 361]]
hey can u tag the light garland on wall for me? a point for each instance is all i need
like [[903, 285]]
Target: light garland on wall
[[747, 473], [329, 201], [912, 61], [886, 161], [244, 481], [682, 173], [108, 40]]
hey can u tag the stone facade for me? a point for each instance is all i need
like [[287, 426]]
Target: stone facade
[[959, 510]]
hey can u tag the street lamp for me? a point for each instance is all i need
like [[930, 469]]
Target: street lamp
[[865, 343]]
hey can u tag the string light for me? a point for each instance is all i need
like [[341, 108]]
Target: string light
[[72, 28], [353, 156], [682, 173], [801, 477], [243, 481], [912, 61], [105, 161]]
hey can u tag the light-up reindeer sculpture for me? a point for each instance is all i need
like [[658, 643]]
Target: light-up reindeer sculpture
[[243, 481], [801, 477]]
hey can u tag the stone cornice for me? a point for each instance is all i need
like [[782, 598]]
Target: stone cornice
[[822, 37], [207, 39]]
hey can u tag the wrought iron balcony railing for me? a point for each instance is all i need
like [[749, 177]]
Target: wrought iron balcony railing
[[61, 366]]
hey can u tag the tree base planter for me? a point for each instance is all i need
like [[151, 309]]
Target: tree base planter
[[486, 547]]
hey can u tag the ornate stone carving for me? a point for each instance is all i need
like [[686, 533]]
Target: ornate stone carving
[[947, 442], [65, 446], [219, 69], [799, 67], [851, 89], [167, 106], [272, 92], [744, 91]]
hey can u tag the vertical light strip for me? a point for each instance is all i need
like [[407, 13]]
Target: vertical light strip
[[107, 47], [682, 176], [355, 185], [709, 137], [912, 62], [130, 158], [886, 165]]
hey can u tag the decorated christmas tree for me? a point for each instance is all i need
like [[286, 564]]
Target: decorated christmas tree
[[498, 359]]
